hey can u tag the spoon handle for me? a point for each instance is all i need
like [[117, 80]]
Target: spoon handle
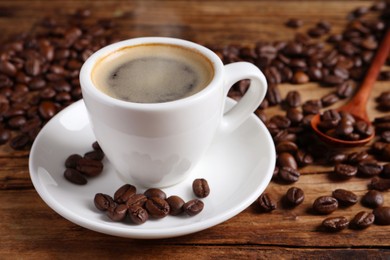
[[357, 105]]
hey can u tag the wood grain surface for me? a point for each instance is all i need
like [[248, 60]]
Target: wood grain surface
[[29, 229]]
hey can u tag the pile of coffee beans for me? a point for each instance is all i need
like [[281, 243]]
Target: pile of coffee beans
[[343, 125], [153, 203], [39, 73], [79, 168]]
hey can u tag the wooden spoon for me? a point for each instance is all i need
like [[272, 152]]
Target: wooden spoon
[[357, 105]]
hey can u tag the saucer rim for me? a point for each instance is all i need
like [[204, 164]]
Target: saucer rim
[[140, 233]]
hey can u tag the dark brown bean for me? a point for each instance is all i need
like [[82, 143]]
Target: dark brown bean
[[47, 109], [382, 215], [345, 197], [288, 174], [286, 160], [335, 224], [157, 207], [175, 205], [200, 188], [97, 155], [124, 193], [266, 203], [89, 167], [373, 199], [154, 192], [345, 170], [118, 213], [75, 177], [295, 196], [104, 202], [362, 220], [72, 160], [193, 207], [293, 99], [369, 168], [137, 214], [20, 142], [325, 204], [136, 200]]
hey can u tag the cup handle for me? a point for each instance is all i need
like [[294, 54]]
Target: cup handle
[[250, 101]]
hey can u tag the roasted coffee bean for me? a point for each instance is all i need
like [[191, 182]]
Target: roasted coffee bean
[[286, 160], [362, 220], [284, 135], [293, 99], [97, 155], [193, 207], [20, 142], [311, 107], [118, 213], [281, 122], [286, 146], [303, 158], [295, 196], [356, 157], [345, 197], [300, 77], [369, 168], [346, 89], [154, 192], [332, 80], [294, 23], [137, 214], [72, 160], [373, 199], [157, 207], [335, 224], [124, 193], [104, 202], [200, 188], [75, 177], [345, 170], [379, 184], [294, 115], [273, 95], [344, 127], [175, 205], [382, 215], [363, 128], [266, 203], [47, 109], [89, 167], [329, 99], [288, 174], [96, 146], [325, 205], [336, 158], [136, 200]]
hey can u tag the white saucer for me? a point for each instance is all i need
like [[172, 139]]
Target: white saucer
[[238, 168]]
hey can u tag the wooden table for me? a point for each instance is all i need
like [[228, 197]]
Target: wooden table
[[29, 229]]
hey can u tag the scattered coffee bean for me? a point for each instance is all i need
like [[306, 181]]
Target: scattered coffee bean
[[373, 199], [72, 160], [154, 192], [335, 224], [379, 184], [362, 220], [175, 205], [193, 207], [136, 200], [382, 215], [96, 155], [288, 174], [201, 188], [89, 167], [124, 193], [295, 196], [345, 170], [369, 168], [75, 176], [118, 213], [137, 214], [325, 205], [104, 202], [345, 197], [157, 207], [286, 160], [266, 203]]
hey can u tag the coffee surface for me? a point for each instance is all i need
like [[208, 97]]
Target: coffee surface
[[152, 73]]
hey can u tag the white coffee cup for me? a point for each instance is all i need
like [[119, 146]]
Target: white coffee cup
[[158, 144]]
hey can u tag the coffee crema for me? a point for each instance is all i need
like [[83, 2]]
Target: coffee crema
[[152, 73]]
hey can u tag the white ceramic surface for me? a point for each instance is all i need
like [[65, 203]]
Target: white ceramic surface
[[238, 168], [168, 138]]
